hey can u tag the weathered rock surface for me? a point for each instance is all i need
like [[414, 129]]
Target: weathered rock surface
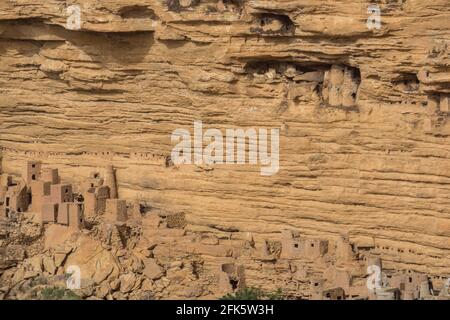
[[364, 145]]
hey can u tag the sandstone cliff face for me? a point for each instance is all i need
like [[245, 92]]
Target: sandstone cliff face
[[364, 139]]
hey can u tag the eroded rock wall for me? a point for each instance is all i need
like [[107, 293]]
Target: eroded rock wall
[[364, 146]]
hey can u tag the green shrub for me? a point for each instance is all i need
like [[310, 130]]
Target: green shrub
[[251, 293]]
